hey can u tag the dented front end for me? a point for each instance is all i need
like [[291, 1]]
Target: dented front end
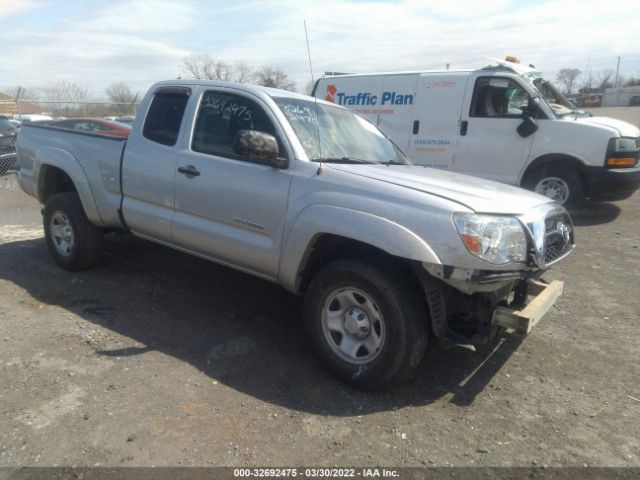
[[468, 306]]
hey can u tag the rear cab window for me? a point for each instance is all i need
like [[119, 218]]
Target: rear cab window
[[164, 118]]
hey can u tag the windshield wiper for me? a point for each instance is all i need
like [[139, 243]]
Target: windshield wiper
[[392, 162], [341, 160]]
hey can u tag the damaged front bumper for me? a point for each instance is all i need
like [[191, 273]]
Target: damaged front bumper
[[541, 297], [469, 307]]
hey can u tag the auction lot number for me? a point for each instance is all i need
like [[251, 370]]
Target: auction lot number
[[315, 472]]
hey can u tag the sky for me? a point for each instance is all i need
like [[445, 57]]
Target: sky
[[97, 43]]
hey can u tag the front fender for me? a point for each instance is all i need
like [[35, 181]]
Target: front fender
[[376, 231], [56, 157]]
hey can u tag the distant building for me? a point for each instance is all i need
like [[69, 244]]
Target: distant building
[[621, 97], [8, 107], [588, 97]]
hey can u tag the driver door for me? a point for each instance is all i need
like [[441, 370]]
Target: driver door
[[226, 207], [489, 145]]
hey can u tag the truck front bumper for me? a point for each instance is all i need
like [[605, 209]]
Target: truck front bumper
[[612, 184], [541, 297]]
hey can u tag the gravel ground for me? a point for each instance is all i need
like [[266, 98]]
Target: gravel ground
[[159, 358]]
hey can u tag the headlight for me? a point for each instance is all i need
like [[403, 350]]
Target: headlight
[[622, 152], [624, 144], [497, 240]]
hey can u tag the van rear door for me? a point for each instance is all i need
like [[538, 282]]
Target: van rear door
[[360, 94], [489, 145], [435, 121], [395, 108]]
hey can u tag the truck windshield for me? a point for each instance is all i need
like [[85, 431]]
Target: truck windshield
[[333, 134], [556, 100]]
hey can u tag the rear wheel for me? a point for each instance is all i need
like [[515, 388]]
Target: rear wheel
[[73, 241], [561, 184], [367, 321]]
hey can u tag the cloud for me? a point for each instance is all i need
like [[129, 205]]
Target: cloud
[[142, 17], [415, 35], [140, 42], [9, 8]]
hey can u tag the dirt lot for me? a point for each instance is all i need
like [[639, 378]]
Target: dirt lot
[[158, 358]]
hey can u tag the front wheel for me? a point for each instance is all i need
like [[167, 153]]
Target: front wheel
[[73, 241], [367, 321], [560, 184]]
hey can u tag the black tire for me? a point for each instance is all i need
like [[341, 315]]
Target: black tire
[[87, 239], [571, 178], [402, 306]]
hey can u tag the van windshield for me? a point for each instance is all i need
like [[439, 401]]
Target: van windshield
[[334, 134], [556, 100]]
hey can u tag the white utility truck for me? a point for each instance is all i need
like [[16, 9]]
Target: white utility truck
[[504, 122]]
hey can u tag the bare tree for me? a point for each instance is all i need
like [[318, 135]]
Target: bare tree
[[25, 93], [588, 79], [119, 93], [274, 77], [567, 77], [242, 72], [68, 99], [122, 96], [621, 80], [206, 67], [308, 88], [603, 79]]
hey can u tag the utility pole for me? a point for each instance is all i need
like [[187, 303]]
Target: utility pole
[[615, 83]]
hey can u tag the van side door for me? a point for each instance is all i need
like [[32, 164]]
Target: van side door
[[228, 208], [435, 122], [489, 145]]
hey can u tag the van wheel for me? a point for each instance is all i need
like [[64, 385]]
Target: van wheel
[[74, 242], [367, 321], [560, 184]]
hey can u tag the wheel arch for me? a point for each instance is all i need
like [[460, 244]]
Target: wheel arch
[[555, 160], [322, 233], [60, 172]]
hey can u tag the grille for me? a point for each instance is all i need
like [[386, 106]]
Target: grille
[[558, 237]]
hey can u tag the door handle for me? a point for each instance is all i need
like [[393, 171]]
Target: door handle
[[189, 171], [463, 127], [416, 127]]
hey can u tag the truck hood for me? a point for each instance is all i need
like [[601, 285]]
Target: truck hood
[[624, 129], [477, 194]]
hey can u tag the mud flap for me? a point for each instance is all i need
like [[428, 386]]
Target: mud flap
[[542, 297]]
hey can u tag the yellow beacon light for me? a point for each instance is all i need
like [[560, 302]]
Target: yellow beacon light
[[512, 59]]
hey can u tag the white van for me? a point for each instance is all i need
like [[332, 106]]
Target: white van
[[504, 122]]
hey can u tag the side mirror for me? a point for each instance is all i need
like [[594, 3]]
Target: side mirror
[[259, 147], [527, 127]]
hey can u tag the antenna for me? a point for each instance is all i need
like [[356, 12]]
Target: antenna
[[315, 99], [306, 35]]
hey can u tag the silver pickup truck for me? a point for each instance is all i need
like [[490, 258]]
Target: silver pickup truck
[[317, 199]]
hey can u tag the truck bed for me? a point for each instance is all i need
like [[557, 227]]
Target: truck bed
[[95, 159]]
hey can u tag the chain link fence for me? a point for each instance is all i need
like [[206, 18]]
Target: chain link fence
[[100, 117], [8, 135]]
